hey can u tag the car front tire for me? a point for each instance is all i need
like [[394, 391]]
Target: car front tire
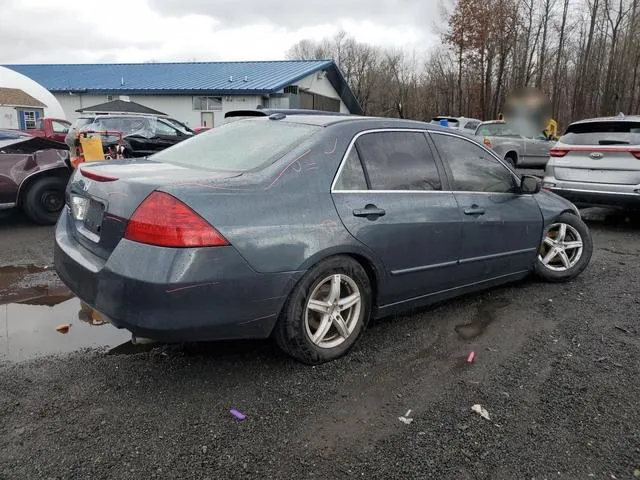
[[326, 312], [566, 249]]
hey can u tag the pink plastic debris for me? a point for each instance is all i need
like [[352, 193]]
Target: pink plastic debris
[[238, 414], [470, 357]]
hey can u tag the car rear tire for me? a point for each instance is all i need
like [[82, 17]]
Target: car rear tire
[[566, 249], [44, 199], [326, 312], [511, 158]]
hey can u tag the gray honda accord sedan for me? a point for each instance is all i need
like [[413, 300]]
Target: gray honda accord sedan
[[304, 228]]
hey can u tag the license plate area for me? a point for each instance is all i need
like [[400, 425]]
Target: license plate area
[[88, 214]]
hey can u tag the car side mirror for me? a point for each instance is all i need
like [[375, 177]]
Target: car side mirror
[[530, 184]]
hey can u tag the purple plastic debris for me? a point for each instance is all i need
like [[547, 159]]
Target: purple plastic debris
[[238, 414]]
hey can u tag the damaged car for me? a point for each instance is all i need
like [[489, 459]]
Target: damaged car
[[33, 175], [140, 135]]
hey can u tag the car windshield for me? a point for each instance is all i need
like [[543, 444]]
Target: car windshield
[[496, 130], [602, 133], [178, 125], [138, 126], [238, 146]]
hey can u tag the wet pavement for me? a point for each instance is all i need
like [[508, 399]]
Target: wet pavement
[[28, 328]]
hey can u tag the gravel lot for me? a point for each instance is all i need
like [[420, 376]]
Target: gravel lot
[[556, 367]]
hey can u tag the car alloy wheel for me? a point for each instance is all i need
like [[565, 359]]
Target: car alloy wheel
[[561, 248], [332, 311]]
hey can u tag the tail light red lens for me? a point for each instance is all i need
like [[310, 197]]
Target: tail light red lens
[[165, 221], [636, 153], [558, 152]]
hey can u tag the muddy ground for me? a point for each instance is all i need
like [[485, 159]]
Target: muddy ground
[[556, 367]]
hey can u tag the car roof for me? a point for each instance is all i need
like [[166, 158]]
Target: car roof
[[365, 123], [492, 122], [618, 118], [265, 112]]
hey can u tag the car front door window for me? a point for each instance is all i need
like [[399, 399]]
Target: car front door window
[[473, 168]]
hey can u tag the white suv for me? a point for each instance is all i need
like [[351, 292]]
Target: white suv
[[597, 162]]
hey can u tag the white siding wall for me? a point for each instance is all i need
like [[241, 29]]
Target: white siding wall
[[8, 117], [178, 106], [321, 86]]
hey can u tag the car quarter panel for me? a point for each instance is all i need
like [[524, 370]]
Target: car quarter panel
[[17, 168], [140, 287]]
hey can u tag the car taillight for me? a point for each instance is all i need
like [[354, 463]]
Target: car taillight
[[98, 177], [165, 221], [487, 142], [636, 153], [558, 152]]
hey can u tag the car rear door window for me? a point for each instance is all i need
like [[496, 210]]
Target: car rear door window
[[472, 167], [398, 161], [352, 175]]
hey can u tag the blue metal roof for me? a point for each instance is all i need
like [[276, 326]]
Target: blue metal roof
[[261, 77], [212, 78]]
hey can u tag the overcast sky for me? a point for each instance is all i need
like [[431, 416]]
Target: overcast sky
[[81, 31]]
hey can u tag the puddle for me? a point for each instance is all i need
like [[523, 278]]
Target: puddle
[[28, 328], [485, 315]]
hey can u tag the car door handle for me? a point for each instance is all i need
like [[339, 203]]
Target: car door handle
[[370, 211], [474, 210]]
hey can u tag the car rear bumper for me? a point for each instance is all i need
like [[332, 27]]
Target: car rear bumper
[[585, 194], [173, 294]]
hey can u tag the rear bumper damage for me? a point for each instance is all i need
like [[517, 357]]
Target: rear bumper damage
[[173, 294]]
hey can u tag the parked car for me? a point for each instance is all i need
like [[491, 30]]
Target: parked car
[[303, 228], [460, 123], [51, 128], [142, 135], [597, 162], [513, 147], [34, 172]]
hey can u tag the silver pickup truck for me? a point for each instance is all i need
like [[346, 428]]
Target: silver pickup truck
[[515, 148]]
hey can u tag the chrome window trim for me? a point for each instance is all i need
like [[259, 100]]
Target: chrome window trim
[[424, 132], [6, 206]]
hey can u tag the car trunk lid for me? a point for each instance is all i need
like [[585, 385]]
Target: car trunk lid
[[103, 196]]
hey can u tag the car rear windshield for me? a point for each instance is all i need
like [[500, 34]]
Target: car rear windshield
[[238, 146], [496, 130], [603, 133]]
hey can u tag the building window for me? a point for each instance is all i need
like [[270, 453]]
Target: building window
[[207, 103], [109, 98], [29, 119], [291, 89]]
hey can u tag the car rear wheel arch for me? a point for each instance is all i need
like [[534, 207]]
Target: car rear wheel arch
[[60, 172], [511, 157], [371, 267]]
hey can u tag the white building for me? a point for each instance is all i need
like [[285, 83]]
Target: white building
[[198, 93], [23, 101]]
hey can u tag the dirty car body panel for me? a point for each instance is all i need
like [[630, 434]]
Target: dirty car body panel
[[281, 215], [24, 157]]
